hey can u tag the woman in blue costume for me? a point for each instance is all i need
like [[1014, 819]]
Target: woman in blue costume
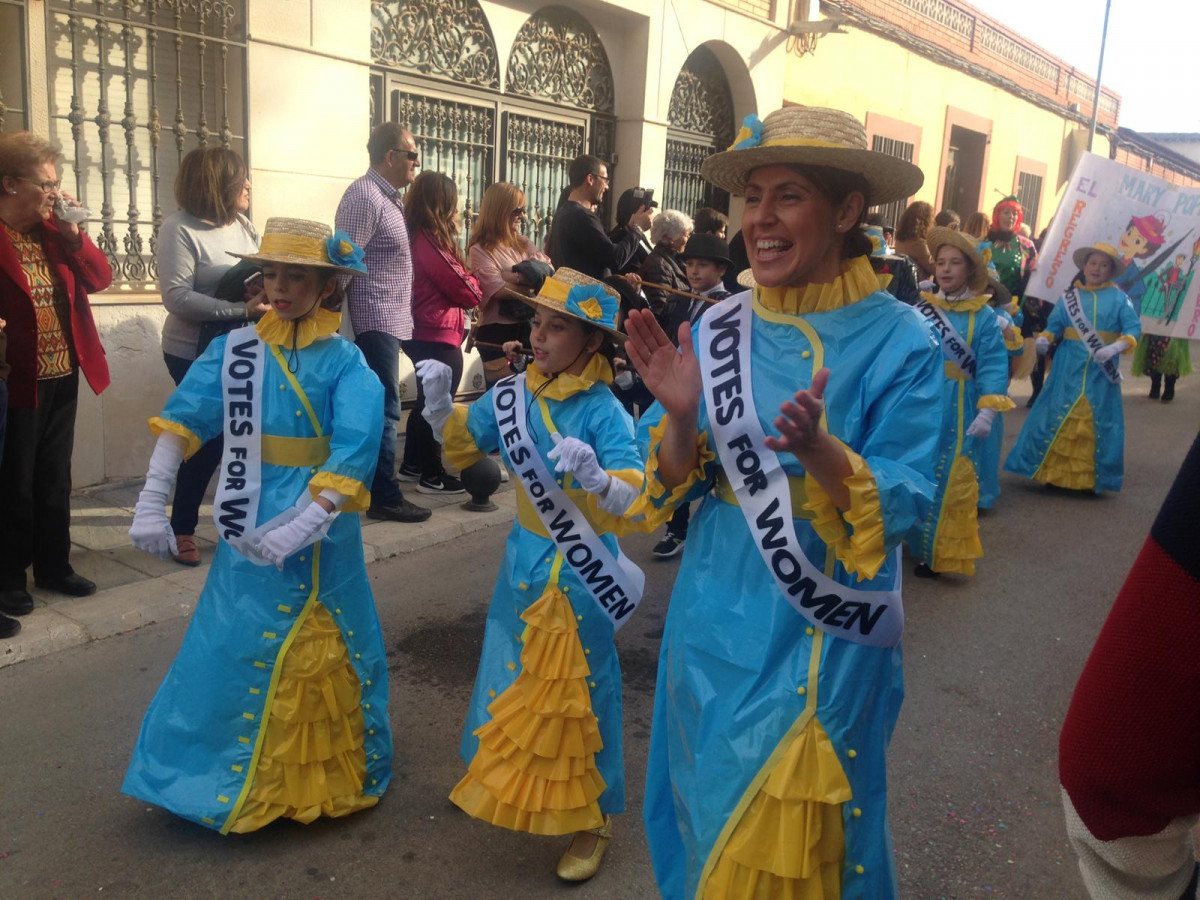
[[948, 539], [767, 769], [1075, 435], [543, 736], [276, 705]]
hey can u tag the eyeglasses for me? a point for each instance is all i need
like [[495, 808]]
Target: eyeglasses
[[47, 187], [410, 155], [519, 213]]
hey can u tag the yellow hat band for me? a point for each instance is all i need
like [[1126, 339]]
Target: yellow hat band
[[294, 245], [805, 142], [554, 290]]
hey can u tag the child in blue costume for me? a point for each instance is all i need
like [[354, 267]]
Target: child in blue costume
[[276, 705], [543, 736], [767, 773], [948, 539], [1075, 435], [1009, 319]]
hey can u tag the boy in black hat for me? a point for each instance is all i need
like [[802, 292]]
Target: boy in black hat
[[706, 257]]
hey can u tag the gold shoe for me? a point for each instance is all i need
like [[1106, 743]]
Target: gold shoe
[[578, 868]]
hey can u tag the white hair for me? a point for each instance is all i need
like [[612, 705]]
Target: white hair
[[670, 225]]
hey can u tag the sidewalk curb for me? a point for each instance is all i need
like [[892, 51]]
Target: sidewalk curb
[[72, 623]]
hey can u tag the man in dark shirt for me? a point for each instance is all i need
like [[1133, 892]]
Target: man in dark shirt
[[577, 238]]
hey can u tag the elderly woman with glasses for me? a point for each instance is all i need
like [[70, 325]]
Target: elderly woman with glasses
[[669, 232], [47, 269]]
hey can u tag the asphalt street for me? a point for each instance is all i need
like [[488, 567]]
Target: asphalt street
[[989, 667]]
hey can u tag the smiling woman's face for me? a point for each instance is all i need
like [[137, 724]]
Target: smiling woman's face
[[791, 228]]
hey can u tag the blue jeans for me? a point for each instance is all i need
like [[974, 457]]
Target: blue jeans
[[382, 353]]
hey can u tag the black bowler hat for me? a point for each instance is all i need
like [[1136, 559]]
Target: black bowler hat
[[707, 246]]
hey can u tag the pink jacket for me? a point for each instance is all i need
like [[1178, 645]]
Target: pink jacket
[[442, 291]]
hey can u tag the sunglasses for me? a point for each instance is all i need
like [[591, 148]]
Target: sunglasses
[[410, 155]]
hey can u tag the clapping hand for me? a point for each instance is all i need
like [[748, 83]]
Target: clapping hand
[[799, 422], [672, 376]]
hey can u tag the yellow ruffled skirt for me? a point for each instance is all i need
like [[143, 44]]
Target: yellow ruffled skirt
[[1071, 460], [312, 761], [789, 844], [535, 769], [956, 544]]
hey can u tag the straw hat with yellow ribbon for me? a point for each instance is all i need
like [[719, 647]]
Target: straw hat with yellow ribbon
[[811, 136], [299, 242], [574, 294], [940, 236], [1081, 255]]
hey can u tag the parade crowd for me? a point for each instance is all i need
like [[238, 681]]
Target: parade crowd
[[804, 396]]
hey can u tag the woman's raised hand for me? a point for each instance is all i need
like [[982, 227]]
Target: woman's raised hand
[[799, 422], [672, 376]]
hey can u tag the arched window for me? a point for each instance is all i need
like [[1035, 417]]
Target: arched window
[[558, 56], [447, 38], [701, 123]]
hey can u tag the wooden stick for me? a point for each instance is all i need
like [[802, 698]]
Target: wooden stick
[[671, 290], [489, 346]]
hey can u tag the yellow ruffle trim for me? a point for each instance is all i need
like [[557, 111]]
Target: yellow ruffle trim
[[274, 330], [564, 385], [1131, 341], [535, 769], [999, 402], [856, 281], [956, 544], [789, 843], [655, 505], [1071, 460], [1015, 342], [458, 442], [861, 549], [971, 304], [612, 523], [158, 425], [358, 493], [312, 761]]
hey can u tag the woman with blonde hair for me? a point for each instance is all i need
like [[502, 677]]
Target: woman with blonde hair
[[442, 291], [977, 225], [910, 235], [194, 243], [496, 248]]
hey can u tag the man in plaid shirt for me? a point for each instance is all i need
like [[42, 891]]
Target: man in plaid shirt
[[380, 305]]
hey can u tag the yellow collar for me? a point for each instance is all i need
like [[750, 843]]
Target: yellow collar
[[274, 330], [1083, 287], [971, 304], [856, 281], [565, 385]]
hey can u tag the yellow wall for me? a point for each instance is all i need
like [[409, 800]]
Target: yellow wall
[[860, 73]]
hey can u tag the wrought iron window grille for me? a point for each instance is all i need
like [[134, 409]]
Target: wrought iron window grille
[[701, 123]]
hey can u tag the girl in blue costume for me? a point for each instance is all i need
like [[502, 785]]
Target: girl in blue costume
[[543, 736], [276, 705], [948, 539], [767, 769], [1075, 435], [1008, 318]]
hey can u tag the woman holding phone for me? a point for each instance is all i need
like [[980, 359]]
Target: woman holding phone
[[213, 193]]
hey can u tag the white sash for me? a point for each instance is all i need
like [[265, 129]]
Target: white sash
[[239, 480], [614, 582], [1091, 340], [954, 347], [875, 618]]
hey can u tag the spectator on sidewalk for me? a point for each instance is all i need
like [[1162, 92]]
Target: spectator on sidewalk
[[496, 247], [711, 221], [213, 193], [442, 290], [47, 269], [577, 238], [948, 218], [910, 236], [634, 200], [372, 214], [669, 232]]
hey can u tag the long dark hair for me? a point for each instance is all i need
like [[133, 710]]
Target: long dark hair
[[430, 205]]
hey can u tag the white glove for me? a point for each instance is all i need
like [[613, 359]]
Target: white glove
[[579, 459], [1043, 345], [619, 496], [1108, 351], [280, 543], [151, 529], [435, 385], [981, 425]]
